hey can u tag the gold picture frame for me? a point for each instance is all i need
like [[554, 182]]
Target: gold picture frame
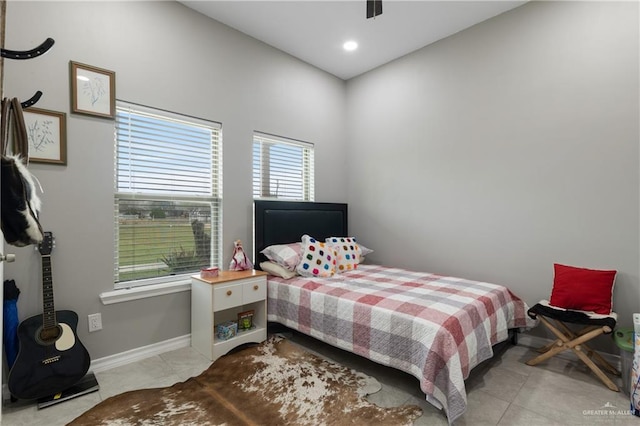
[[47, 135], [93, 90]]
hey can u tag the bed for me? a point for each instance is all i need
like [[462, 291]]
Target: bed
[[433, 327]]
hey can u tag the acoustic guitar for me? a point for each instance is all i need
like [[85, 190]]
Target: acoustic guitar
[[51, 358]]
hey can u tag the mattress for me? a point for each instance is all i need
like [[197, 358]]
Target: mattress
[[433, 327]]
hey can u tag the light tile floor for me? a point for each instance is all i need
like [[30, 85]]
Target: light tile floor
[[501, 391]]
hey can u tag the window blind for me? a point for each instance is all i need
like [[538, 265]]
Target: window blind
[[282, 168], [167, 195]]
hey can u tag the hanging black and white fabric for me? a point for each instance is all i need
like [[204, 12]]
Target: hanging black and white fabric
[[20, 204]]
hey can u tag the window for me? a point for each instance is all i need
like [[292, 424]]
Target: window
[[168, 196], [282, 168]]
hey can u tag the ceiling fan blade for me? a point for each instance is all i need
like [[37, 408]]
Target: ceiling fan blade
[[374, 8]]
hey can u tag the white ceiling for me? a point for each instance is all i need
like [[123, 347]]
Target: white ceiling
[[314, 31]]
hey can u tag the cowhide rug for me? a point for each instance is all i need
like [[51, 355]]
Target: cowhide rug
[[274, 383]]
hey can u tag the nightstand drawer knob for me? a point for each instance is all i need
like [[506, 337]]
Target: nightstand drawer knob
[[229, 292], [255, 287]]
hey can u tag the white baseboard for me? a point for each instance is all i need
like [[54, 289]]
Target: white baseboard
[[127, 357], [142, 352], [528, 340], [159, 348]]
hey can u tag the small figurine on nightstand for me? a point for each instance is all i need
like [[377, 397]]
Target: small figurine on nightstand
[[239, 261]]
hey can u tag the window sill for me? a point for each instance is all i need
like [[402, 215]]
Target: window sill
[[143, 292]]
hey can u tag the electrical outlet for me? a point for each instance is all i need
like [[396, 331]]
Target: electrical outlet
[[95, 322]]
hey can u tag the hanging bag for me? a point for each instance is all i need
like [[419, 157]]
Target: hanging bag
[[20, 205], [10, 321]]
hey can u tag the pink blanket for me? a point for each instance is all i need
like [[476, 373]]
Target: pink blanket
[[433, 327]]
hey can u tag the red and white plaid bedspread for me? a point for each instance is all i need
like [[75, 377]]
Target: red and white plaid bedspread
[[433, 327]]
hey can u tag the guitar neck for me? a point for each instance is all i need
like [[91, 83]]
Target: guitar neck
[[48, 311]]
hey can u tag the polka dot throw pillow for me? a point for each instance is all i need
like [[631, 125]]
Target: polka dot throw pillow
[[348, 252], [317, 260]]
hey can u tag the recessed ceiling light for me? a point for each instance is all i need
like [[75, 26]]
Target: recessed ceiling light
[[350, 46]]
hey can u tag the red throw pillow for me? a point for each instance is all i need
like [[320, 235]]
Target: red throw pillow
[[582, 289]]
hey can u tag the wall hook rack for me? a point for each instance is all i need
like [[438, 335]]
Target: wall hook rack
[[28, 54], [32, 101]]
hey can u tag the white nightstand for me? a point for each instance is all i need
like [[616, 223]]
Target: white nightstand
[[220, 299]]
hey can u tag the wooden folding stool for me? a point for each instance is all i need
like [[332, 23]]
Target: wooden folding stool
[[594, 326]]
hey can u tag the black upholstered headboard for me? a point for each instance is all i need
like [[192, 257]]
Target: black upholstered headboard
[[281, 222]]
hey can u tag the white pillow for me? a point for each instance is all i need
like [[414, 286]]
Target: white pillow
[[348, 252], [318, 259], [274, 269], [285, 255], [364, 250]]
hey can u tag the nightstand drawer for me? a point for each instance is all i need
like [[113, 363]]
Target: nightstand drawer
[[254, 290], [227, 296]]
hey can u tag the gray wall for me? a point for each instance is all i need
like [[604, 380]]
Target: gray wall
[[505, 148], [170, 57], [488, 155]]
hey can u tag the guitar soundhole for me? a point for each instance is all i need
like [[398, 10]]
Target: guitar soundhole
[[48, 336]]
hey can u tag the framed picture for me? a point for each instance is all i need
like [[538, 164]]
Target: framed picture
[[93, 90], [47, 134]]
